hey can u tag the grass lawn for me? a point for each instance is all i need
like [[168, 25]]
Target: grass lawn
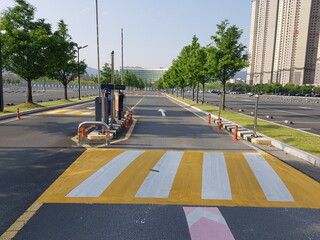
[[304, 141], [29, 106]]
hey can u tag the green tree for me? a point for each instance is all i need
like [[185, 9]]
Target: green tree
[[26, 42], [226, 56], [63, 67], [106, 74]]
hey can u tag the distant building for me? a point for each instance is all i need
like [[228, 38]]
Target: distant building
[[237, 80], [150, 74], [284, 42]]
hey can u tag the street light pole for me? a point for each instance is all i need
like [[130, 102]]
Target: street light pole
[[98, 51], [255, 116], [1, 81], [122, 56], [79, 86]]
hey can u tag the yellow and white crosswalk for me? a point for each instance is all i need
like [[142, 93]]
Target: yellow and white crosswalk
[[183, 178], [67, 111]]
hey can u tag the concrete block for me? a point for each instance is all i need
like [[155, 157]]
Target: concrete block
[[261, 141]]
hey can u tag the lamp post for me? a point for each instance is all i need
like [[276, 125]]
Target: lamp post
[[98, 51], [1, 82], [255, 116], [79, 47]]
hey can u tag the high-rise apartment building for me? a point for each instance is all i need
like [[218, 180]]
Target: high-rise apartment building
[[284, 42]]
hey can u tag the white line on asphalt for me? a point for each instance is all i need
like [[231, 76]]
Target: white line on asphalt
[[88, 113], [159, 181], [271, 184], [215, 179], [73, 111], [59, 110], [296, 113], [95, 185]]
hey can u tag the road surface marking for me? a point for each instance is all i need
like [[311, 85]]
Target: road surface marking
[[101, 179], [295, 113], [271, 184], [20, 222], [75, 111], [68, 111], [57, 111], [162, 112], [168, 177], [215, 180], [88, 113], [159, 181], [206, 223]]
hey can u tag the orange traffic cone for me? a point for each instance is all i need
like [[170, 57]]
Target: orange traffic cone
[[83, 132], [18, 114], [131, 119], [235, 134], [127, 122]]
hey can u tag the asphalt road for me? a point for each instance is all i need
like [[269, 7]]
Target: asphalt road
[[31, 162], [304, 113], [18, 95]]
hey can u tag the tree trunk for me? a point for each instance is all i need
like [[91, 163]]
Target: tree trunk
[[65, 91], [29, 94], [224, 95], [182, 93], [177, 92], [198, 93], [193, 87], [203, 93], [171, 91]]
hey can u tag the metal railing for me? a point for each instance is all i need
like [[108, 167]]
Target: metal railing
[[105, 129]]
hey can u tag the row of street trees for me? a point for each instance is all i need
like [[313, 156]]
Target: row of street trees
[[32, 50], [219, 61], [129, 79]]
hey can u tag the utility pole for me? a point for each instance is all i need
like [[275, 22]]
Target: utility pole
[[1, 81], [112, 91], [122, 82], [98, 52], [79, 86]]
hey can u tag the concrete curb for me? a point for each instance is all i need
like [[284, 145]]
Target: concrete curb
[[36, 110], [247, 135]]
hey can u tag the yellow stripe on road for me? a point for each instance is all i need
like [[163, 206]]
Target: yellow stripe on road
[[66, 111], [247, 185]]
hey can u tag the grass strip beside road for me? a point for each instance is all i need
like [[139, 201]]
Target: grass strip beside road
[[30, 106], [301, 140]]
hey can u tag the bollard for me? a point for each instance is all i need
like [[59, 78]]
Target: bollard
[[83, 132], [127, 122], [18, 114], [209, 118], [235, 134], [131, 120], [108, 137], [219, 124]]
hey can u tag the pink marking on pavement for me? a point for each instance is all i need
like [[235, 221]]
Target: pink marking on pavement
[[207, 224]]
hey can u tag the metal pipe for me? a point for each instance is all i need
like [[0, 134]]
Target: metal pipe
[[122, 56], [255, 116], [98, 52], [1, 81]]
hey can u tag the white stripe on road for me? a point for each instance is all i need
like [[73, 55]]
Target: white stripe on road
[[88, 113], [215, 179], [73, 112], [159, 181], [95, 185], [59, 110], [272, 186]]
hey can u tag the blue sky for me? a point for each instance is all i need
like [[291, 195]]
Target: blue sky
[[154, 31]]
